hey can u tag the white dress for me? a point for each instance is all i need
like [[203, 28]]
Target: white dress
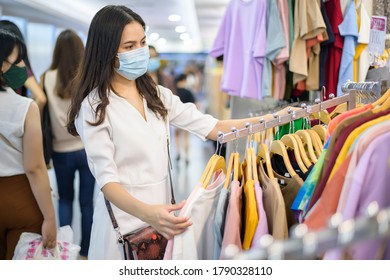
[[132, 151]]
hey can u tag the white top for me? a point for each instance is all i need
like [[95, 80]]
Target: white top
[[132, 151], [13, 111], [58, 108], [198, 241]]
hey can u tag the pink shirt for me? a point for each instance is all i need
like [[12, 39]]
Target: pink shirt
[[262, 226]]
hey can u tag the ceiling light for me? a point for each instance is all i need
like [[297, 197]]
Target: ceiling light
[[184, 36], [174, 17], [162, 41], [154, 36], [180, 29]]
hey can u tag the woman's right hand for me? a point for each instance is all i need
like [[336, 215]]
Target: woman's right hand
[[49, 233], [165, 223]]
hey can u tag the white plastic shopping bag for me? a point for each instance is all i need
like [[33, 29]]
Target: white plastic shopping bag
[[30, 247]]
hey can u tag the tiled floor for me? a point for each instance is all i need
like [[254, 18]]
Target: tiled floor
[[185, 177]]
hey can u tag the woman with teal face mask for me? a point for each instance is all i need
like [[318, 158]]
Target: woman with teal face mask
[[123, 118], [25, 197], [30, 87]]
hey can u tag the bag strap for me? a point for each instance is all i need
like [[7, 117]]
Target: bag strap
[[108, 204]]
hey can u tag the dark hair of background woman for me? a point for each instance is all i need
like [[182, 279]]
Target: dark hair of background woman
[[8, 41], [68, 52], [97, 68]]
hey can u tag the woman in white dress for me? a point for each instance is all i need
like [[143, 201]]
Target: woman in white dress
[[123, 119]]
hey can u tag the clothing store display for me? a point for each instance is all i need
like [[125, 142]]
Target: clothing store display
[[219, 221], [262, 226]]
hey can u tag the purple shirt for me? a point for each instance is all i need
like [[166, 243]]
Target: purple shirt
[[241, 40]]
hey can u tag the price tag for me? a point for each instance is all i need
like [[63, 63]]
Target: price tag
[[376, 45]]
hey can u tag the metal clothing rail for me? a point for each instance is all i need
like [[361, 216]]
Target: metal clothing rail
[[309, 245], [292, 115]]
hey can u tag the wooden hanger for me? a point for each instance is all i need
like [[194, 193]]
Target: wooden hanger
[[248, 165], [315, 139], [218, 163], [321, 131], [229, 171], [290, 142], [254, 165], [207, 168], [382, 99], [323, 116], [263, 157], [277, 147], [302, 150], [306, 140], [382, 107], [341, 108], [237, 167]]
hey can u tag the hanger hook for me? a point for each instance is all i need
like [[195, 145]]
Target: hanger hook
[[219, 142]]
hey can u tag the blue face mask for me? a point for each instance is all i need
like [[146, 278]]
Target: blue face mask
[[133, 64], [154, 64]]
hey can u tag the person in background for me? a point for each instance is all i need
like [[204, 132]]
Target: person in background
[[31, 83], [156, 71], [185, 96], [25, 199], [123, 119], [68, 151]]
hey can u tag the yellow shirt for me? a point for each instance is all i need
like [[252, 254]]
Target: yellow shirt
[[348, 143], [251, 215]]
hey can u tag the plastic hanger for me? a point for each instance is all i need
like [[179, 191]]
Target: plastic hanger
[[263, 157], [302, 150], [321, 131], [290, 142], [305, 137], [277, 147]]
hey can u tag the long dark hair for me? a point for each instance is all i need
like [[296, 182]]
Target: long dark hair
[[68, 52], [8, 41], [97, 67]]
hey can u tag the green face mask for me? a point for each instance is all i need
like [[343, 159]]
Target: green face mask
[[16, 76]]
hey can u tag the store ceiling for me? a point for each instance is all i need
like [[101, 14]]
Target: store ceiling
[[200, 18]]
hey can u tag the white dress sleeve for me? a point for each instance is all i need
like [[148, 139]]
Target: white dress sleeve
[[98, 145], [186, 116]]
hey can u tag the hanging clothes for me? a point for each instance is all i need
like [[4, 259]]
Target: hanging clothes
[[334, 13], [279, 77], [241, 40], [274, 206], [262, 226], [362, 57], [350, 32], [198, 241], [275, 42], [219, 221], [370, 184], [309, 28], [251, 216], [233, 225]]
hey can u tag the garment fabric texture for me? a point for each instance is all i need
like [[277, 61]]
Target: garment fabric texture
[[241, 40], [274, 206], [251, 216], [262, 225], [219, 220], [138, 161], [197, 242], [233, 223]]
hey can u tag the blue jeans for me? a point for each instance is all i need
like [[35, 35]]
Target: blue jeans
[[65, 167]]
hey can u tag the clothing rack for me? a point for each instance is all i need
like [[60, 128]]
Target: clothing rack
[[278, 120], [309, 245]]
